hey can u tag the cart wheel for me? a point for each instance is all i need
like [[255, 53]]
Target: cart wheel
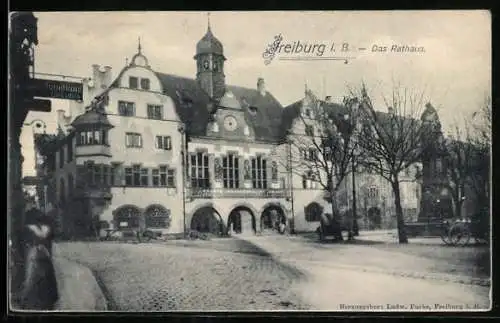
[[460, 235], [445, 236]]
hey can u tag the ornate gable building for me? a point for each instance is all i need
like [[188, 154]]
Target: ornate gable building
[[173, 153]]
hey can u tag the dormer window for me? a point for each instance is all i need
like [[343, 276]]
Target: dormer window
[[133, 82], [145, 84], [308, 113]]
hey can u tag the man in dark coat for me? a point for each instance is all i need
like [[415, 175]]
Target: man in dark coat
[[39, 290]]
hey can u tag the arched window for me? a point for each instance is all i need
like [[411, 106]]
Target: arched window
[[157, 217], [309, 181], [127, 217], [313, 212]]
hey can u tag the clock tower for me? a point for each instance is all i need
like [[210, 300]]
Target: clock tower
[[210, 65]]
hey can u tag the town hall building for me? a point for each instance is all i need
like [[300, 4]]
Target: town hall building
[[174, 153]]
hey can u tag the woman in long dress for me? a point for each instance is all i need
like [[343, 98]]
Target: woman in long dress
[[40, 285]]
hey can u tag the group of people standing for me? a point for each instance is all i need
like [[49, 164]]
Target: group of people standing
[[33, 250]]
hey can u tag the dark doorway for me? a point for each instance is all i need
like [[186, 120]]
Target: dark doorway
[[374, 218], [271, 218], [242, 220], [207, 220]]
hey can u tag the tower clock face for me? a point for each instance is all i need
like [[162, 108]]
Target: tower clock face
[[230, 123], [205, 65]]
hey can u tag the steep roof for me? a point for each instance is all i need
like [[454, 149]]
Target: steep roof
[[209, 44], [335, 112], [90, 118], [195, 107]]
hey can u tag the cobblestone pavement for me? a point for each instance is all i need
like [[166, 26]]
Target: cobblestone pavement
[[471, 262], [363, 275], [173, 277]]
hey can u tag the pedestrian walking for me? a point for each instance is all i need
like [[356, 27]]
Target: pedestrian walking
[[39, 291]]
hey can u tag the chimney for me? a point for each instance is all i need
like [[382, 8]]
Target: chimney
[[261, 86], [328, 99], [107, 76], [96, 76]]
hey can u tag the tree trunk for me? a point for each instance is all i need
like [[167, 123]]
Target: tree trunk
[[334, 220], [399, 212]]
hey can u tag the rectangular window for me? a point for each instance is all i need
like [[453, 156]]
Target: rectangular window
[[61, 157], [144, 177], [132, 82], [97, 177], [313, 154], [171, 178], [231, 174], [145, 84], [199, 171], [97, 138], [70, 150], [129, 180], [133, 140], [112, 177], [259, 172], [163, 175], [136, 172], [163, 142], [126, 109], [155, 176], [309, 130], [155, 112]]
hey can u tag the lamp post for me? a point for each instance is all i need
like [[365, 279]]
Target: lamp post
[[182, 131], [291, 184], [349, 119]]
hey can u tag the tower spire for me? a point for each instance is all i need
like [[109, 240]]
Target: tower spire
[[139, 48], [208, 20]]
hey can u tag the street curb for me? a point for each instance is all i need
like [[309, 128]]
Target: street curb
[[78, 287]]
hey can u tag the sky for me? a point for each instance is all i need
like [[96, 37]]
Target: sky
[[454, 71]]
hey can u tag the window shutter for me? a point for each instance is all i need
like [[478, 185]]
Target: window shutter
[[168, 143], [127, 140], [158, 142]]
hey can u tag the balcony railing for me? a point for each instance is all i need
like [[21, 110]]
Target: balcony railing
[[208, 193], [93, 191]]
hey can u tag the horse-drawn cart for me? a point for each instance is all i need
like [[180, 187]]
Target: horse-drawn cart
[[330, 228]]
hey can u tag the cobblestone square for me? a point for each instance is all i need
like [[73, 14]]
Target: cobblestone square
[[276, 273]]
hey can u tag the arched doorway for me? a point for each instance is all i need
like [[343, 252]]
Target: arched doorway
[[127, 217], [375, 218], [271, 218], [207, 220], [242, 221]]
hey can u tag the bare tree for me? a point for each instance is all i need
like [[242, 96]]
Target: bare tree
[[393, 141], [480, 178], [460, 165], [482, 123], [323, 156]]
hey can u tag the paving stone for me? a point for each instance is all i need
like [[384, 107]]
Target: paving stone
[[163, 277]]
